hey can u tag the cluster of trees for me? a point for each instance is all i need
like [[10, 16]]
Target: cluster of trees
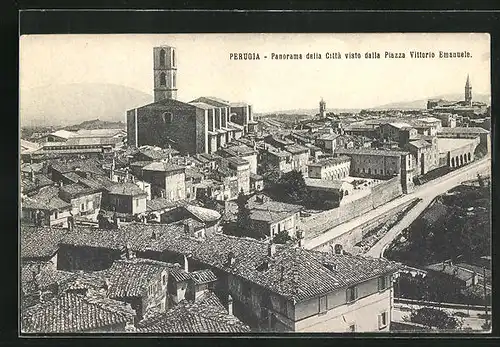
[[290, 187], [434, 318], [436, 289], [460, 233]]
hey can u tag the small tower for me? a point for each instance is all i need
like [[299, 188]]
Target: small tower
[[322, 109], [468, 92], [165, 73]]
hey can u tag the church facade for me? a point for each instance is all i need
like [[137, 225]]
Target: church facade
[[203, 125]]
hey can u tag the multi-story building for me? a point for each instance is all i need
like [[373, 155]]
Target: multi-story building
[[167, 180], [330, 168], [271, 217], [241, 113], [381, 164], [273, 158], [272, 287], [327, 142], [300, 157], [244, 152], [447, 119], [397, 132]]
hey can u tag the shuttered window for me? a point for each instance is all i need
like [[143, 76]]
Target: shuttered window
[[382, 283], [322, 304], [351, 294], [382, 320]]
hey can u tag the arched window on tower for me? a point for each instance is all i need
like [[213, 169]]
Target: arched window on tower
[[173, 80], [173, 57], [162, 57], [163, 79], [167, 117]]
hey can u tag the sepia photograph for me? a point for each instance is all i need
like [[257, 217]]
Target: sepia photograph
[[263, 183]]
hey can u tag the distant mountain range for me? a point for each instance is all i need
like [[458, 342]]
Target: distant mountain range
[[66, 104]]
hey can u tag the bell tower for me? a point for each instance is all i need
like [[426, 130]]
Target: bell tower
[[165, 73], [468, 92], [322, 109]]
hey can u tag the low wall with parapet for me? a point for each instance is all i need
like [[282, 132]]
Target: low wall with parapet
[[353, 236], [380, 194]]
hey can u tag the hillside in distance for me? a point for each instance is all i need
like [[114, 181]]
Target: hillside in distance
[[68, 104], [96, 124], [422, 103]]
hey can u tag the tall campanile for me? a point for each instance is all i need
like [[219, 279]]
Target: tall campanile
[[165, 73], [468, 92]]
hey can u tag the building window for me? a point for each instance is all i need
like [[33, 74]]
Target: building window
[[82, 207], [162, 57], [382, 320], [137, 203], [167, 117], [163, 279], [352, 294], [382, 283], [56, 215], [163, 79], [173, 57], [322, 304], [173, 80]]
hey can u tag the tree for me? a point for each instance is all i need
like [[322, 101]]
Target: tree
[[243, 216], [435, 318], [292, 186], [282, 237]]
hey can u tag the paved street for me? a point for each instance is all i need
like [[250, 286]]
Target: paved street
[[427, 192]]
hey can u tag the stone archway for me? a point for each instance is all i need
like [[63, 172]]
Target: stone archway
[[461, 159], [452, 162], [468, 157], [457, 161]]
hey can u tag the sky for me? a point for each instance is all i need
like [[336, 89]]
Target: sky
[[204, 67]]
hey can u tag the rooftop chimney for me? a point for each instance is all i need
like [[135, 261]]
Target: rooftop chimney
[[271, 249], [230, 304], [230, 258]]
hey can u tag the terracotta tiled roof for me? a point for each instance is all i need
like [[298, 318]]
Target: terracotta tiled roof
[[164, 167], [126, 189], [89, 165], [203, 276], [463, 130], [40, 242], [178, 274], [203, 214], [45, 199], [370, 151], [206, 315], [293, 273], [129, 278], [330, 161], [138, 236], [69, 313], [161, 203]]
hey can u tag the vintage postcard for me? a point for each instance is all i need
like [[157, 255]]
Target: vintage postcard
[[255, 183]]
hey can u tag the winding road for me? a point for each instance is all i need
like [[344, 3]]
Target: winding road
[[427, 192]]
